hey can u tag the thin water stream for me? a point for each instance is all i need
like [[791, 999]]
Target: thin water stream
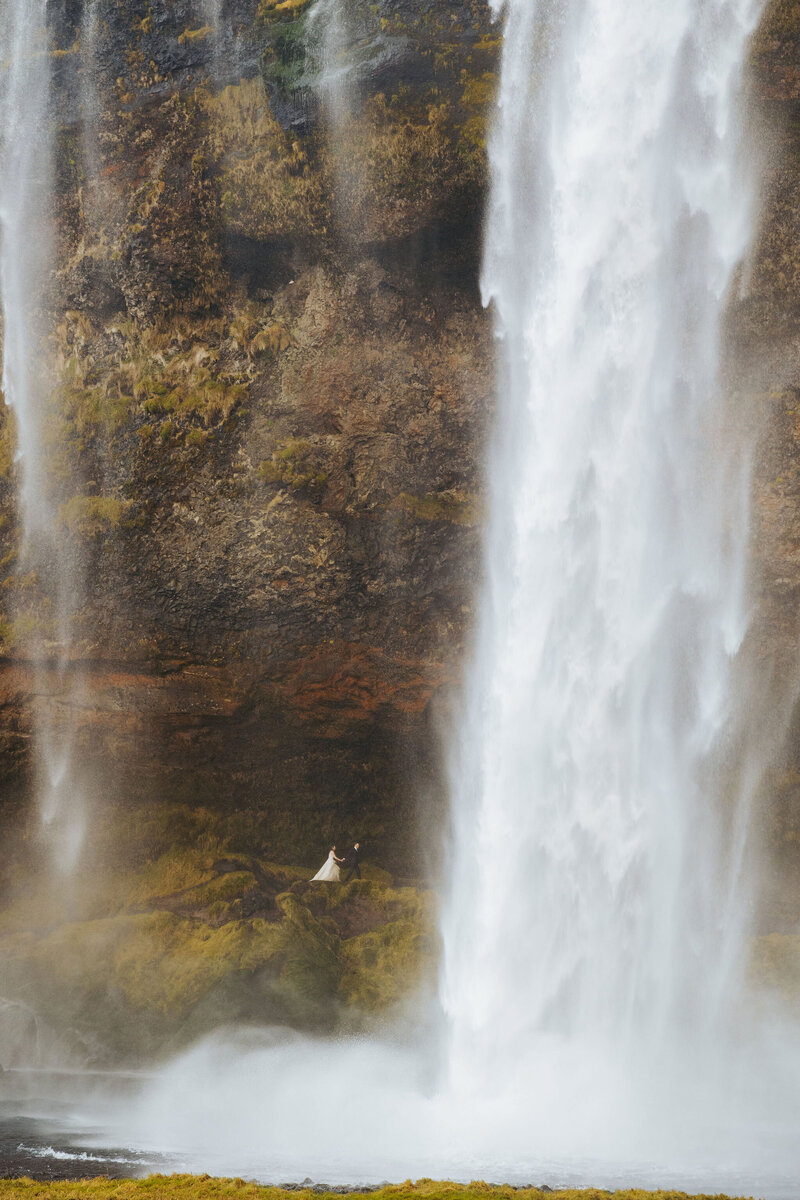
[[26, 249]]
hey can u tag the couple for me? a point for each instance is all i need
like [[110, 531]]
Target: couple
[[329, 871]]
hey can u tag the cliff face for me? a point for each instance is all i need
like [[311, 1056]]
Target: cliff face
[[272, 377]]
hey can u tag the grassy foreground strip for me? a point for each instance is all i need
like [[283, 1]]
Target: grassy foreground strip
[[204, 1187]]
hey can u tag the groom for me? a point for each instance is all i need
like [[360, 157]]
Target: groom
[[351, 860]]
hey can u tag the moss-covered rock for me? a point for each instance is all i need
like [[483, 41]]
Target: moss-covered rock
[[198, 937]]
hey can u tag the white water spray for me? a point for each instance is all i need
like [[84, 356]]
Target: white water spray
[[332, 37], [328, 41], [25, 174], [591, 898], [26, 194]]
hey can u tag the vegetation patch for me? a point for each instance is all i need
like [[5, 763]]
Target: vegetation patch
[[276, 10], [204, 1187], [294, 465], [269, 186], [455, 507], [91, 516], [160, 954], [195, 35]]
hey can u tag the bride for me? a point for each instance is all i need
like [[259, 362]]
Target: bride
[[329, 871]]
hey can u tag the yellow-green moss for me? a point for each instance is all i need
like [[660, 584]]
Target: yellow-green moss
[[168, 963], [8, 439], [456, 507], [89, 516], [386, 964], [268, 186], [203, 1187], [175, 871], [196, 35], [273, 10], [291, 466], [157, 940]]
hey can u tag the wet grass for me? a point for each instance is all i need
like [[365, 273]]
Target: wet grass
[[203, 1187]]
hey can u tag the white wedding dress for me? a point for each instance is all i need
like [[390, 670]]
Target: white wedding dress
[[329, 871]]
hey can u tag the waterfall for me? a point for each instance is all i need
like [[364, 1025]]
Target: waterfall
[[26, 174], [25, 155], [328, 42], [333, 29], [211, 11], [596, 831], [90, 102]]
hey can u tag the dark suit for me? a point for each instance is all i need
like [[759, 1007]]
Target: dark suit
[[351, 860]]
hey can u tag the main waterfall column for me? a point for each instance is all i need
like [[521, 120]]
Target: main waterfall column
[[588, 899]]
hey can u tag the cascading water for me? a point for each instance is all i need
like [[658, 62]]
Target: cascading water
[[26, 172], [211, 11], [333, 28], [328, 40], [24, 194], [90, 102], [589, 904]]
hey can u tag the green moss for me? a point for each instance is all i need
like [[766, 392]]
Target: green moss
[[395, 948], [293, 466], [175, 871], [312, 967], [381, 968], [90, 516], [285, 59], [454, 507], [8, 439], [169, 963], [166, 949], [24, 628]]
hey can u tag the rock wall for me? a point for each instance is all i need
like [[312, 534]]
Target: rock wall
[[272, 379]]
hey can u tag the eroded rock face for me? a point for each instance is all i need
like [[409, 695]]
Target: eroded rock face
[[273, 381]]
